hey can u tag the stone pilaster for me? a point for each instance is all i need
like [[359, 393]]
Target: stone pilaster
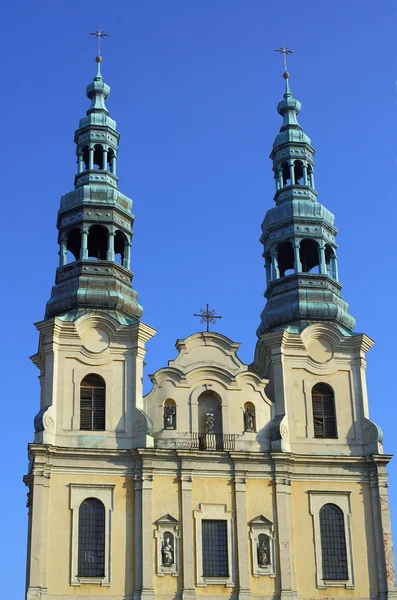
[[39, 487], [383, 534], [242, 554], [285, 532], [186, 480], [143, 536]]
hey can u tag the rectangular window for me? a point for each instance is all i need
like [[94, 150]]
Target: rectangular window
[[214, 545]]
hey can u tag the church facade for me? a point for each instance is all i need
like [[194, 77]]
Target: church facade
[[226, 480]]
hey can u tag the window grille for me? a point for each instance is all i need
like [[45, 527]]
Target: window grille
[[333, 542], [324, 419], [91, 555], [215, 556], [92, 403]]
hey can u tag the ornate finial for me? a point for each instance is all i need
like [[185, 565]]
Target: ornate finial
[[99, 34], [284, 51], [207, 316]]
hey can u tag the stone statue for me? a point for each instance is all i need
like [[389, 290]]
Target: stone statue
[[169, 416], [262, 552], [167, 552], [249, 419], [209, 421]]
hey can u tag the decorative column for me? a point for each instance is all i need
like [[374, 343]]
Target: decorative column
[[297, 258], [186, 479], [383, 535], [292, 172], [242, 554], [321, 258], [304, 170], [91, 159], [143, 536], [280, 178], [275, 269], [63, 258], [39, 488], [268, 266], [110, 250], [285, 534], [84, 244], [104, 159], [334, 263], [127, 255], [311, 179], [80, 163], [113, 166]]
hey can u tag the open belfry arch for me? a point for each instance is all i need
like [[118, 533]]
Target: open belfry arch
[[226, 480]]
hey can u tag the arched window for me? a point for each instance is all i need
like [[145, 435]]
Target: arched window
[[120, 242], [169, 414], [249, 417], [324, 418], [98, 156], [97, 242], [333, 542], [92, 403], [85, 153], [210, 421], [73, 245], [298, 170], [285, 254], [309, 255], [330, 261], [286, 174], [91, 554]]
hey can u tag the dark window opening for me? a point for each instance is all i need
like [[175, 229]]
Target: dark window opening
[[92, 403], [333, 543], [85, 157], [330, 260], [309, 255], [91, 554], [285, 259], [98, 156], [324, 419], [110, 159], [73, 244], [298, 172], [214, 545], [286, 174], [119, 247], [97, 242]]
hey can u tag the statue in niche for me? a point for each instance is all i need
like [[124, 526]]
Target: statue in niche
[[167, 551], [262, 550], [249, 419], [169, 416], [210, 421]]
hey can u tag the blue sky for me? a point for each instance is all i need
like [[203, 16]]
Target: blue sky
[[195, 87]]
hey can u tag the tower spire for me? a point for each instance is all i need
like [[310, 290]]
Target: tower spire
[[95, 221], [298, 235]]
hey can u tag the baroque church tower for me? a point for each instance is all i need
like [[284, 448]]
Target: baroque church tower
[[226, 480]]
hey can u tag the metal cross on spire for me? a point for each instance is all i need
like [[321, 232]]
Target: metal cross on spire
[[284, 51], [207, 316], [99, 34]]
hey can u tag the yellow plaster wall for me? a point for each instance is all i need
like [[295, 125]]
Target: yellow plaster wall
[[165, 501], [362, 534], [59, 536], [260, 498]]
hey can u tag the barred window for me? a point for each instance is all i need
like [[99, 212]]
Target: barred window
[[324, 419], [92, 403], [215, 557], [91, 554], [333, 542]]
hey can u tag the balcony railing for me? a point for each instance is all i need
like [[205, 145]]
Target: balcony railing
[[207, 441]]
